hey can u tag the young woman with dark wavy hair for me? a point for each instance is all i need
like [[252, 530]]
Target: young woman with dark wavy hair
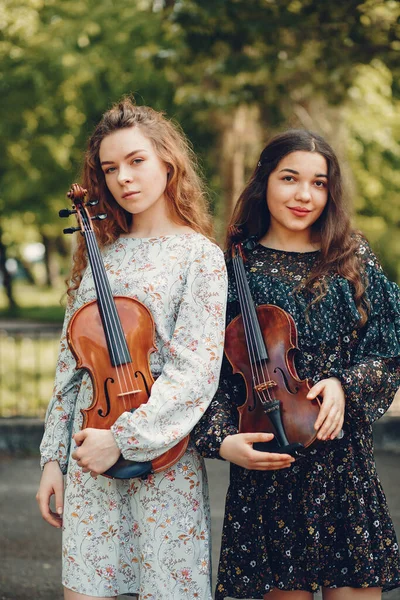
[[293, 526]]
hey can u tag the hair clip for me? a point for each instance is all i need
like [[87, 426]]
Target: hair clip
[[259, 163]]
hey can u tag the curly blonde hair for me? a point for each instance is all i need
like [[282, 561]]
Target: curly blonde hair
[[185, 191]]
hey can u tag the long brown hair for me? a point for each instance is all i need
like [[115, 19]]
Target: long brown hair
[[251, 216], [185, 190]]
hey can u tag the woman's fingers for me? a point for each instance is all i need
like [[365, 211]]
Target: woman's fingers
[[239, 450], [260, 460], [48, 515], [331, 414], [51, 484], [270, 461], [259, 436], [331, 422], [316, 390]]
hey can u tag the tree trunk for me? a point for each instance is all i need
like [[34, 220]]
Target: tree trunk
[[240, 146], [50, 263], [27, 270], [6, 277]]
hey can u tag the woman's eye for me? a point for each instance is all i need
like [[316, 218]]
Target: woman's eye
[[109, 170], [137, 161], [288, 178], [320, 184]]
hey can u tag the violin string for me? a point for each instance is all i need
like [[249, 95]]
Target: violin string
[[259, 363], [115, 329], [245, 316], [111, 313], [102, 296], [255, 359], [263, 364]]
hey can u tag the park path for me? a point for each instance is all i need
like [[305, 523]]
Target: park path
[[30, 549]]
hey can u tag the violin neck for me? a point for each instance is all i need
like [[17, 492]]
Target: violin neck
[[115, 338], [254, 337]]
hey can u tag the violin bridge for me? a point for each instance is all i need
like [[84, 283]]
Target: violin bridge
[[128, 393], [264, 386]]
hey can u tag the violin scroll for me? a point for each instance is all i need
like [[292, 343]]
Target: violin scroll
[[78, 194]]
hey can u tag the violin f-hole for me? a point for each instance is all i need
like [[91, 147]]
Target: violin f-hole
[[144, 381], [107, 397], [285, 381]]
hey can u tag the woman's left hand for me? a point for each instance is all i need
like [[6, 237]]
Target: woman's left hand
[[97, 450], [331, 415]]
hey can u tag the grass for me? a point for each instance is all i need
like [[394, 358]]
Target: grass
[[35, 303], [27, 367], [28, 360]]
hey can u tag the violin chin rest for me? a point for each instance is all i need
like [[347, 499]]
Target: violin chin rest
[[295, 449], [127, 469]]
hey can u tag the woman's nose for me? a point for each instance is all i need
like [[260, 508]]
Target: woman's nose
[[303, 193], [124, 175]]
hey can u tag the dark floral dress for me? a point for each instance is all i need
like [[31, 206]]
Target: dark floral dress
[[324, 521]]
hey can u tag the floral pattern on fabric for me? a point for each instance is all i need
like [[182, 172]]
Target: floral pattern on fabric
[[146, 536], [324, 521]]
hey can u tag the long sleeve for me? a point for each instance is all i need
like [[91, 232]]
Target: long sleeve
[[58, 422], [192, 362], [221, 418], [370, 387], [373, 377]]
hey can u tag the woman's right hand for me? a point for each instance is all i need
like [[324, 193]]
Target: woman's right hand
[[51, 483], [239, 449]]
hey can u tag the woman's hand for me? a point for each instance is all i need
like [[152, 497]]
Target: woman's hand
[[97, 450], [51, 483], [331, 415], [239, 449]]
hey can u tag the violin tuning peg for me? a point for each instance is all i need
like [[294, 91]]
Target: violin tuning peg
[[71, 229], [100, 217], [65, 212]]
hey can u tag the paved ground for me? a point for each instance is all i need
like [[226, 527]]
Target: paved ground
[[30, 549]]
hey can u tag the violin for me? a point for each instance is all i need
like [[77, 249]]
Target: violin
[[112, 338], [260, 344]]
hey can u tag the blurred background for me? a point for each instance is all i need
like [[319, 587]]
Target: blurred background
[[231, 72]]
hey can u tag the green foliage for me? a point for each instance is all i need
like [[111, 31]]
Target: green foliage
[[27, 364], [36, 303], [204, 62], [372, 118]]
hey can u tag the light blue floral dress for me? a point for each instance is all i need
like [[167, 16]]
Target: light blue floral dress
[[151, 536]]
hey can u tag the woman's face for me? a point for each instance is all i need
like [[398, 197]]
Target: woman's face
[[297, 192], [134, 174]]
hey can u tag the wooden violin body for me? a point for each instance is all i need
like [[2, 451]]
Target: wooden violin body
[[261, 344], [112, 338], [120, 388], [298, 413]]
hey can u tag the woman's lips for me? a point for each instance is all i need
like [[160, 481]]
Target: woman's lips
[[300, 212]]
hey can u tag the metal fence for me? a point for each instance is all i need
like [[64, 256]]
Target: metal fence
[[28, 355]]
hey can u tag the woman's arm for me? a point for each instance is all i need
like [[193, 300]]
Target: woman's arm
[[373, 377], [221, 417], [370, 387], [57, 436], [183, 391]]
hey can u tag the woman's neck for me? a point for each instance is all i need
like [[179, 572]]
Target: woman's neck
[[158, 228], [155, 223], [298, 242]]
